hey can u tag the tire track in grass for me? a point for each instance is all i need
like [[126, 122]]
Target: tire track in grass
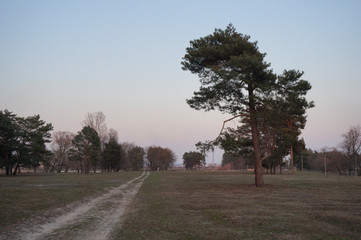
[[94, 219]]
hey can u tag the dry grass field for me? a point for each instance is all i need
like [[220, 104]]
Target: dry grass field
[[65, 206], [194, 204], [226, 205]]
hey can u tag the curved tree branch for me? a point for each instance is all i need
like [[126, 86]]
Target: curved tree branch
[[224, 122]]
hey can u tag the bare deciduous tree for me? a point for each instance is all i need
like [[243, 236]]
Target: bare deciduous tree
[[159, 158], [113, 134], [337, 161], [97, 122], [126, 148], [61, 144], [352, 146]]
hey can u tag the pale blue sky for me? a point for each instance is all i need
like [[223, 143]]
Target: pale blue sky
[[63, 59]]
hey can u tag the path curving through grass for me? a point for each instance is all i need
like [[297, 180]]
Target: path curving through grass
[[95, 218]]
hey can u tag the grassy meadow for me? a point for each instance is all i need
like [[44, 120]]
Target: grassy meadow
[[202, 204], [226, 205], [26, 196]]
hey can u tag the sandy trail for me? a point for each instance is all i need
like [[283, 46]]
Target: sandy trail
[[95, 219]]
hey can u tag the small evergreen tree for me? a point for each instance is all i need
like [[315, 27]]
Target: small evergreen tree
[[111, 156], [86, 148]]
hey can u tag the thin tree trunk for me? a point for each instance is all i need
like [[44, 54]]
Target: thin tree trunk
[[15, 169], [291, 155], [290, 125], [7, 167], [356, 166], [7, 164]]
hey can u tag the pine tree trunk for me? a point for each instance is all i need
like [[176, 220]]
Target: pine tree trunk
[[258, 170], [259, 174], [291, 155], [16, 169], [290, 125], [8, 165]]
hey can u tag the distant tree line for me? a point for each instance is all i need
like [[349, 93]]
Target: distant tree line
[[345, 160], [94, 148], [233, 162]]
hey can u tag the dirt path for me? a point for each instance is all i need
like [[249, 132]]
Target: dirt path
[[95, 219]]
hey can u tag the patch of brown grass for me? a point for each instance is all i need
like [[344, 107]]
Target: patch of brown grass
[[24, 197], [226, 205]]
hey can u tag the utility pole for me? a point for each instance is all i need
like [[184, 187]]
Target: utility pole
[[301, 162]]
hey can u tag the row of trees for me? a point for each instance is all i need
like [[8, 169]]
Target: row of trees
[[95, 147], [230, 161], [345, 160], [92, 148], [235, 79], [83, 152], [23, 144]]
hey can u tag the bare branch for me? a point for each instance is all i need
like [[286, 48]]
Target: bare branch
[[268, 155], [224, 122]]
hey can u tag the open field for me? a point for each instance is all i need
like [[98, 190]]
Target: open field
[[66, 206], [185, 205], [226, 205]]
